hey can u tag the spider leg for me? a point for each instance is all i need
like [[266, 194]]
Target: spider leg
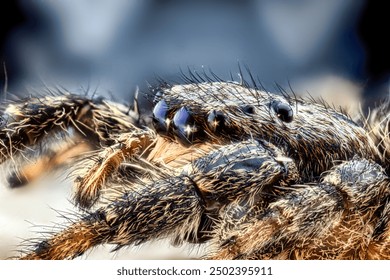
[[42, 134], [378, 249], [174, 204], [378, 127], [47, 161], [27, 122], [318, 221], [93, 173]]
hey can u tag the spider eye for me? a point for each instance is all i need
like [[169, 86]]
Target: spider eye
[[184, 126], [248, 109], [160, 117], [283, 111], [216, 121]]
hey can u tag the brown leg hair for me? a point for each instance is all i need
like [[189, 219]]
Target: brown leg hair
[[328, 220]]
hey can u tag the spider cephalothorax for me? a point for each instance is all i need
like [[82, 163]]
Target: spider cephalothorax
[[312, 134], [253, 174]]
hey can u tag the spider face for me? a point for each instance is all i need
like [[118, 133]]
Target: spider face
[[312, 134], [252, 174]]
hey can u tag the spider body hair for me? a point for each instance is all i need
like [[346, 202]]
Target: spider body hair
[[254, 174]]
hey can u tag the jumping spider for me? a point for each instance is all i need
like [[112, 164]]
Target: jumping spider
[[254, 174]]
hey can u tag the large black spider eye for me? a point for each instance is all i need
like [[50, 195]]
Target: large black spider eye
[[216, 121], [160, 117], [184, 126], [283, 111]]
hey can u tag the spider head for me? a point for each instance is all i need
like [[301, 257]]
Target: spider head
[[313, 135]]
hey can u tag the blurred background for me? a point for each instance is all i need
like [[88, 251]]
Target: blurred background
[[115, 45], [322, 47]]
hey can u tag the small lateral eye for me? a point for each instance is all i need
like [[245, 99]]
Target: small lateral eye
[[216, 121], [283, 111], [248, 109]]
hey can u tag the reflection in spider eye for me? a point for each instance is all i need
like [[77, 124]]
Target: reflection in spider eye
[[283, 111], [216, 121], [160, 117], [184, 126]]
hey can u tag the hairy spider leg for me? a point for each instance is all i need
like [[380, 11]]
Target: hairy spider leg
[[327, 220], [172, 205]]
